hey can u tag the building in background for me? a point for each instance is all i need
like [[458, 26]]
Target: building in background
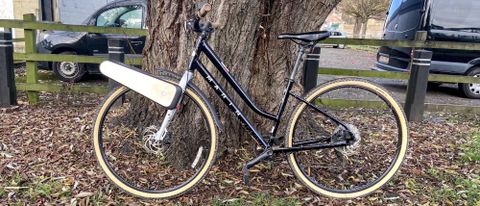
[[76, 11], [6, 10]]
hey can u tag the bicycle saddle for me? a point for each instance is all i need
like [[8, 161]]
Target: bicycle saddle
[[306, 37]]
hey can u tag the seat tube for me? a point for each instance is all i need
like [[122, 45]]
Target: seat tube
[[286, 93], [300, 52]]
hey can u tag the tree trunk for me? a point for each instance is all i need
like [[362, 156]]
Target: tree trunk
[[245, 41], [357, 27], [364, 28]]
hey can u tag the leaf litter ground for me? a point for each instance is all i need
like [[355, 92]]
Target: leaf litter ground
[[46, 158]]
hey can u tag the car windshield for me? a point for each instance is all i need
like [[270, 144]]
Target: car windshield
[[461, 15], [394, 8]]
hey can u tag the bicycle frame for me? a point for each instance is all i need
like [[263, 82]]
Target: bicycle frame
[[195, 64]]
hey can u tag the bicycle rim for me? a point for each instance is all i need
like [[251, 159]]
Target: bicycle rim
[[122, 141], [378, 141]]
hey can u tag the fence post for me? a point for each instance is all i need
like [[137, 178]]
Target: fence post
[[310, 70], [31, 67], [116, 53], [417, 84], [8, 93]]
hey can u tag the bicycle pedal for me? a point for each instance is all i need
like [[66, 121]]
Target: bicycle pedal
[[245, 175]]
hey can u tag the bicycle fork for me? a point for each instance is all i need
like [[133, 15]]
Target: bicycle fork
[[162, 132]]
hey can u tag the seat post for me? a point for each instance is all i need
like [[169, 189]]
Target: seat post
[[300, 53]]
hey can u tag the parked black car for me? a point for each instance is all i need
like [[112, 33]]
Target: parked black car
[[123, 14], [444, 20]]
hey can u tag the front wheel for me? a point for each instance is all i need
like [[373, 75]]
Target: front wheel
[[133, 159], [376, 134]]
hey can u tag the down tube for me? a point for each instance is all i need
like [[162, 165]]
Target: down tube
[[221, 92]]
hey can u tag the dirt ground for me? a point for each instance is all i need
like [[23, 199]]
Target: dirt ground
[[46, 159]]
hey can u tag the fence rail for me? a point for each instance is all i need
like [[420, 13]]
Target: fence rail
[[397, 75], [405, 43], [34, 25], [73, 58], [32, 85], [64, 88]]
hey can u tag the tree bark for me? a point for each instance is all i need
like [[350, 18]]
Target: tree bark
[[364, 28], [245, 41], [357, 27]]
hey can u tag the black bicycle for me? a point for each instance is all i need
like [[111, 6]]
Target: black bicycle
[[345, 138]]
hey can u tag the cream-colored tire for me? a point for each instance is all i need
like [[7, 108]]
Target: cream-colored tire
[[104, 135], [348, 173]]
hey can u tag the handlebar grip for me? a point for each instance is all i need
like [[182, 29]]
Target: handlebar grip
[[204, 10]]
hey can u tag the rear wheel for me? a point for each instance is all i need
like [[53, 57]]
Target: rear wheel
[[471, 90], [126, 149], [376, 136]]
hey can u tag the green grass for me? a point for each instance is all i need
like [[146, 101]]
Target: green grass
[[434, 173], [464, 190], [3, 193], [45, 189], [16, 180], [454, 188], [471, 150], [32, 190], [98, 199], [371, 49], [258, 200]]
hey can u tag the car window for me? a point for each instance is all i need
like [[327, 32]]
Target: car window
[[456, 15], [125, 16], [132, 19]]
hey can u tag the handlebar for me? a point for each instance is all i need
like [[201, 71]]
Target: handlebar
[[204, 9], [195, 24]]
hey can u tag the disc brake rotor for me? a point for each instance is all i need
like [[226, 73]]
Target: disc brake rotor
[[149, 143], [351, 135]]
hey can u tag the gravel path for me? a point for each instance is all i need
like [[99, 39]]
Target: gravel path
[[356, 59]]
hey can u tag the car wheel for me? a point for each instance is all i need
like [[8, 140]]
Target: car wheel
[[471, 90], [335, 46], [69, 71]]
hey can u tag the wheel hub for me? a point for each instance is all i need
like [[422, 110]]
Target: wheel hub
[[351, 135], [474, 88], [68, 68], [150, 144]]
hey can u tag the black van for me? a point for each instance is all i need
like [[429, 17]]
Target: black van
[[444, 20]]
